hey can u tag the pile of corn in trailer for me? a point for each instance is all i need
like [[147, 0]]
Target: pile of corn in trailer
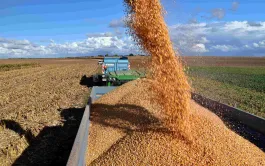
[[250, 127]]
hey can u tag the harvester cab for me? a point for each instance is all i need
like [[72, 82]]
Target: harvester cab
[[115, 71]]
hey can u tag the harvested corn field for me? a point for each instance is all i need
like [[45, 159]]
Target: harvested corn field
[[126, 129], [41, 109]]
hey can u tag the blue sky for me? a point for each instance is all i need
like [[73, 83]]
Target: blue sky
[[59, 20], [52, 28]]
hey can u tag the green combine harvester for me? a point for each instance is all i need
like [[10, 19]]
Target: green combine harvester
[[116, 71]]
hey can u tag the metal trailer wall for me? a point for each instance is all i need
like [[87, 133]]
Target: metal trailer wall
[[78, 153], [252, 121]]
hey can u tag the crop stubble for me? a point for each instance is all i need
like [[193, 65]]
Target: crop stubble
[[32, 98]]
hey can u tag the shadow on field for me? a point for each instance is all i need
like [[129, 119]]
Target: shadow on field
[[16, 127], [241, 129], [53, 144], [88, 81]]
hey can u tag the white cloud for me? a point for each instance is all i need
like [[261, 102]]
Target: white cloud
[[256, 45], [244, 30], [199, 48], [99, 44], [260, 44], [204, 40], [224, 48], [247, 46], [214, 38], [186, 37], [224, 38]]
